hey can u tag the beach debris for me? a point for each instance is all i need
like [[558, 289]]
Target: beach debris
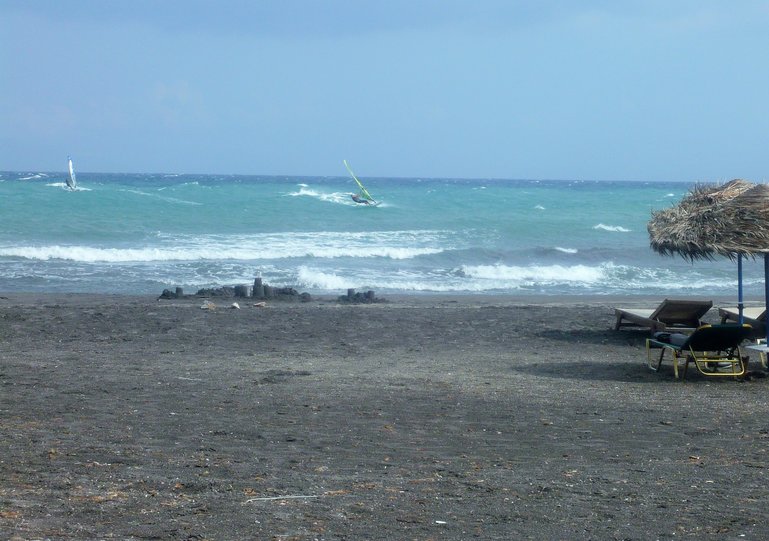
[[260, 304], [235, 306], [288, 497], [208, 305]]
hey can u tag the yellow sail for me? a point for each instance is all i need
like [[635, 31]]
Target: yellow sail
[[363, 191]]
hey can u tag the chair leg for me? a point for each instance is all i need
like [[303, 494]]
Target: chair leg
[[649, 356], [686, 366]]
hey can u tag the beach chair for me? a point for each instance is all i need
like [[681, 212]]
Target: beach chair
[[670, 314], [755, 316], [714, 349]]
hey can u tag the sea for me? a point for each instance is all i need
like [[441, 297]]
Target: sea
[[143, 233]]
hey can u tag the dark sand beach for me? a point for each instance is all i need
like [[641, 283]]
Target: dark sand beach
[[417, 418]]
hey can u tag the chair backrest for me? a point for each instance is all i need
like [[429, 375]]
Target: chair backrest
[[683, 312], [718, 337]]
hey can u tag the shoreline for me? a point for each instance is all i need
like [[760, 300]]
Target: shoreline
[[490, 418], [412, 298]]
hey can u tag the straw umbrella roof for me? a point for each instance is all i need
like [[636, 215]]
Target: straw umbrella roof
[[723, 220]]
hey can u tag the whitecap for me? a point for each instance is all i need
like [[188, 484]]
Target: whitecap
[[395, 245], [317, 279], [339, 198], [63, 185], [613, 228], [536, 274]]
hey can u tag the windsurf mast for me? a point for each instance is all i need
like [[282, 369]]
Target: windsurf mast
[[363, 191]]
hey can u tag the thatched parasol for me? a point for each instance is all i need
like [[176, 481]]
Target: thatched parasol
[[730, 220], [727, 220]]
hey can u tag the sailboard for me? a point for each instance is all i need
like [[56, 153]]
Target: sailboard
[[71, 180], [362, 196]]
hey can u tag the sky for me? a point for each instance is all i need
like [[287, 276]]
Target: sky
[[512, 89]]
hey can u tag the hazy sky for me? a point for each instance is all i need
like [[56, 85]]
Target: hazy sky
[[537, 89]]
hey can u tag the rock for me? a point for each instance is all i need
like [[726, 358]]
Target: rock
[[167, 294]]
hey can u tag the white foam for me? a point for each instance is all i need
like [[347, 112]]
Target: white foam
[[63, 185], [536, 274], [316, 279], [566, 250], [468, 278], [333, 197], [613, 228], [639, 279], [539, 207], [396, 245]]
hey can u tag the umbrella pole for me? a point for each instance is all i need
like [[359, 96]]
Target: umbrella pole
[[740, 304], [766, 292]]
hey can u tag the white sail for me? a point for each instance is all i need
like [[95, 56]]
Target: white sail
[[71, 180]]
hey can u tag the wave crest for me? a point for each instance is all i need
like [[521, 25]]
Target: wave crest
[[396, 245], [613, 228]]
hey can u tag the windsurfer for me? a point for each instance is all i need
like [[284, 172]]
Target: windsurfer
[[362, 197]]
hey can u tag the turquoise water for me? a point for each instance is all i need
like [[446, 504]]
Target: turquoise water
[[133, 233]]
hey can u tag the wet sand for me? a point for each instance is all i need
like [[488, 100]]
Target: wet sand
[[417, 418]]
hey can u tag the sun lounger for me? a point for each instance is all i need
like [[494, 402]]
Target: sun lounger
[[670, 314], [755, 315], [714, 349]]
